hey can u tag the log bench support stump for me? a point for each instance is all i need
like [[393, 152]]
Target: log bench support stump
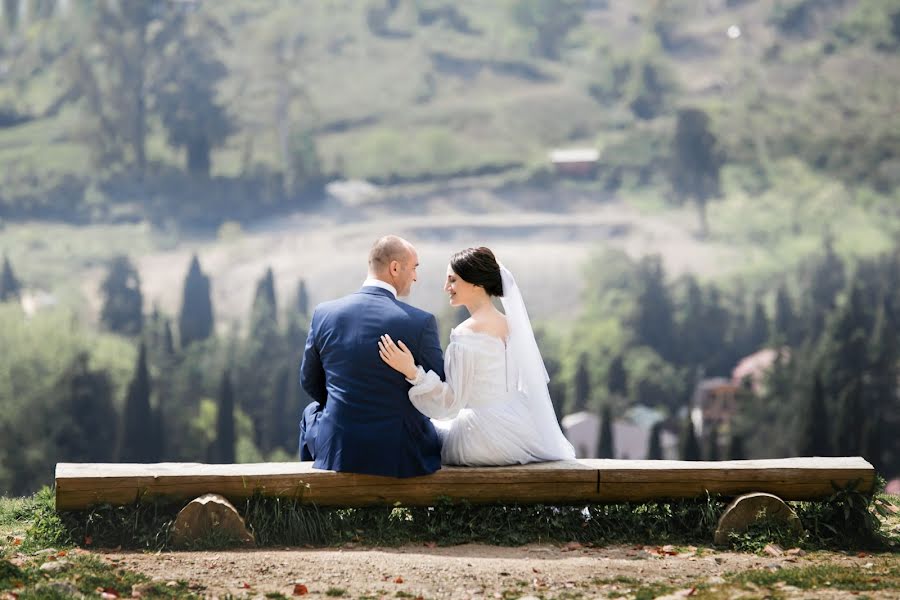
[[207, 516], [751, 508]]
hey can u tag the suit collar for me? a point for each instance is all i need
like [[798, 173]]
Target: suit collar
[[377, 283], [373, 290]]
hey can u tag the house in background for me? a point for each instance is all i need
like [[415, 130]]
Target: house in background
[[631, 434], [714, 403], [751, 371], [577, 162]]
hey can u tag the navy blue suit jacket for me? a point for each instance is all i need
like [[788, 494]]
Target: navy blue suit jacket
[[364, 421]]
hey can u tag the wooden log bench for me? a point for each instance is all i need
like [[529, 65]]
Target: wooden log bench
[[81, 485]]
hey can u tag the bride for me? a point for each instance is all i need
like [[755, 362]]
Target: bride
[[494, 408]]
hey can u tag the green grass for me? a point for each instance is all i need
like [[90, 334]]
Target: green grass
[[825, 576], [844, 521], [81, 574]]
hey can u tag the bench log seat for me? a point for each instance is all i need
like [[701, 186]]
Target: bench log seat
[[81, 485]]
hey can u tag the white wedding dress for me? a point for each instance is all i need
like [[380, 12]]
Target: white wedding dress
[[493, 409]]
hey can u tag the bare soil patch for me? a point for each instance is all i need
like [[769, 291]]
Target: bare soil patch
[[480, 571]]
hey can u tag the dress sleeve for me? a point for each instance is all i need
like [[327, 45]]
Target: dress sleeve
[[444, 399]]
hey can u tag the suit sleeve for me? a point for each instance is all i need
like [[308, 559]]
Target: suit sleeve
[[312, 374], [431, 359]]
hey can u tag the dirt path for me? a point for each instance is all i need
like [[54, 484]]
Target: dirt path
[[478, 571], [546, 245]]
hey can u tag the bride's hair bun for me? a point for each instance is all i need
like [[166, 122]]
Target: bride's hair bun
[[478, 267]]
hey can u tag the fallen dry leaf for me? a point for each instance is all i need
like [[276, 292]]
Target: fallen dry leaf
[[398, 580], [300, 590]]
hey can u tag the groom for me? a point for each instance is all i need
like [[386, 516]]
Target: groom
[[361, 419]]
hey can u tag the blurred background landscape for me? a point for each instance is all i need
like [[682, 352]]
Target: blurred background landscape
[[700, 201]]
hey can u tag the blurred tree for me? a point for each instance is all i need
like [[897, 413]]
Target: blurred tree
[[814, 438], [304, 163], [712, 444], [654, 449], [548, 22], [556, 387], [186, 95], [138, 441], [825, 280], [582, 383], [83, 422], [688, 446], [11, 14], [122, 310], [617, 377], [9, 285], [652, 319], [114, 75], [606, 445], [845, 347], [150, 60], [651, 88], [652, 381], [758, 334], [784, 327], [224, 448], [302, 300], [736, 447], [691, 324], [695, 162], [195, 321], [716, 324], [852, 418]]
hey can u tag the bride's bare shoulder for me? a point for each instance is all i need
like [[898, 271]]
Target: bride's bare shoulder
[[494, 325]]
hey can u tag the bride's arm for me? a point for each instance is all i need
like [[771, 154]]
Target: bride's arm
[[431, 396]]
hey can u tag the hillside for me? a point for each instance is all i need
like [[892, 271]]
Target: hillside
[[429, 91]]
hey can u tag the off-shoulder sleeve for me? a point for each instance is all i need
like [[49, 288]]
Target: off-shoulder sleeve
[[444, 399]]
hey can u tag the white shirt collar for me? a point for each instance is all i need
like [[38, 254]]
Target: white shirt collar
[[372, 282]]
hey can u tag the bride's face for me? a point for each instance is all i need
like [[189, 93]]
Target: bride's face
[[461, 292]]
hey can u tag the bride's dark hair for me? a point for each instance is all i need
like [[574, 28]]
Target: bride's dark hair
[[478, 267]]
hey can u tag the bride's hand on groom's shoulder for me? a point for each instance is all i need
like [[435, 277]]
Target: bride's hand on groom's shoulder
[[397, 356]]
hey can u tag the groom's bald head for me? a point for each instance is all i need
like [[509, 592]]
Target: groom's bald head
[[394, 260]]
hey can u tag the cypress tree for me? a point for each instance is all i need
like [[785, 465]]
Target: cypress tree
[[138, 435], [582, 383], [712, 444], [814, 438], [827, 279], [195, 321], [688, 446], [785, 324], [123, 302], [606, 445], [653, 320], [617, 378], [654, 449], [10, 288], [84, 425], [759, 327], [852, 418], [264, 314], [693, 314], [736, 447], [225, 436], [302, 299], [872, 448]]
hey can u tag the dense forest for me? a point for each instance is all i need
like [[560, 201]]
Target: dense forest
[[774, 122]]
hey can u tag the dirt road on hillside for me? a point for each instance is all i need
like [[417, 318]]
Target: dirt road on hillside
[[545, 248]]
